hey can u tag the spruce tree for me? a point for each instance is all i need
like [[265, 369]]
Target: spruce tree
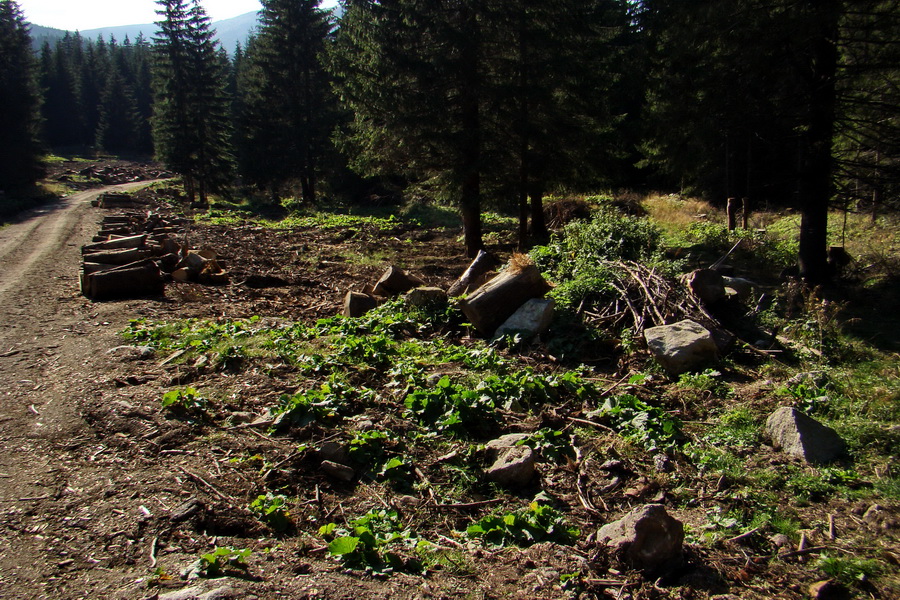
[[288, 109], [191, 127], [19, 118], [412, 75]]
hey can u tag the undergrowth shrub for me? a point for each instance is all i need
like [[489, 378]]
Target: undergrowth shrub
[[578, 258]]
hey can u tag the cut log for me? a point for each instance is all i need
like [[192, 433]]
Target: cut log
[[471, 279], [395, 281], [213, 274], [135, 241], [494, 302], [91, 267], [141, 278], [357, 304], [118, 257]]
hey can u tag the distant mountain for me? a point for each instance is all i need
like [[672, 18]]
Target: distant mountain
[[228, 31]]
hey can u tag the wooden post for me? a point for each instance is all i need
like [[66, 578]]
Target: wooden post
[[731, 211], [745, 213]]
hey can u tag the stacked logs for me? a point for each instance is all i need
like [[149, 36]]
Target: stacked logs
[[133, 253], [495, 303]]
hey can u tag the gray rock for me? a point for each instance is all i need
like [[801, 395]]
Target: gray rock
[[337, 471], [531, 319], [514, 467], [742, 288], [647, 538], [356, 304], [510, 440], [200, 592], [132, 352], [681, 346], [334, 452], [426, 296], [706, 284], [797, 434]]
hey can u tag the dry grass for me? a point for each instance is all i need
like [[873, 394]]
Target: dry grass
[[674, 213]]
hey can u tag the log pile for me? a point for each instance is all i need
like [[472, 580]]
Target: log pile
[[133, 254], [115, 174], [493, 299]]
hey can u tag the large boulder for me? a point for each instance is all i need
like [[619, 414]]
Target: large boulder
[[647, 539], [800, 435], [681, 346], [532, 318]]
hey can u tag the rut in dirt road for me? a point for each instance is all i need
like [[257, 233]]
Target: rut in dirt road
[[50, 337]]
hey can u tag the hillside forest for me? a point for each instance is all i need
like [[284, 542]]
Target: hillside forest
[[486, 104], [320, 394]]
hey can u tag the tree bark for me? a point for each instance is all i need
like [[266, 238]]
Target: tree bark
[[816, 164], [494, 302], [482, 264]]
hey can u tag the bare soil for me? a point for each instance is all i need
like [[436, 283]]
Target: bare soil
[[92, 470]]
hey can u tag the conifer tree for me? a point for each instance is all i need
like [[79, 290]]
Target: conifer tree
[[118, 129], [288, 109], [412, 75], [191, 127], [19, 118]]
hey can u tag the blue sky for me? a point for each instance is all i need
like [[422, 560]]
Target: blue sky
[[93, 14]]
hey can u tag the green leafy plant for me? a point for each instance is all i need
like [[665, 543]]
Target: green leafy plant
[[639, 422], [221, 560], [272, 509], [322, 404], [707, 381], [452, 408], [536, 523], [184, 403], [849, 570], [551, 444], [375, 541]]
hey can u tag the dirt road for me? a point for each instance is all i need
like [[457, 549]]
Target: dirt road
[[50, 339]]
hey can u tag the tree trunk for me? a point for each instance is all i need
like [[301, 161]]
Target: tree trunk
[[470, 196], [137, 279], [538, 223], [731, 212], [816, 164]]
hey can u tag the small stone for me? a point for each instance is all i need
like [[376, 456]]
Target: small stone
[[799, 435], [513, 468], [240, 417], [334, 452], [132, 352], [337, 471], [510, 440], [647, 539], [779, 540]]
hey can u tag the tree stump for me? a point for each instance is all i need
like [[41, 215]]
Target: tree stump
[[495, 301]]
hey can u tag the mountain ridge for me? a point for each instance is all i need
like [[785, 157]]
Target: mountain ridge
[[229, 32]]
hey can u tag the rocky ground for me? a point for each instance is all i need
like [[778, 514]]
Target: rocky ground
[[104, 494]]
